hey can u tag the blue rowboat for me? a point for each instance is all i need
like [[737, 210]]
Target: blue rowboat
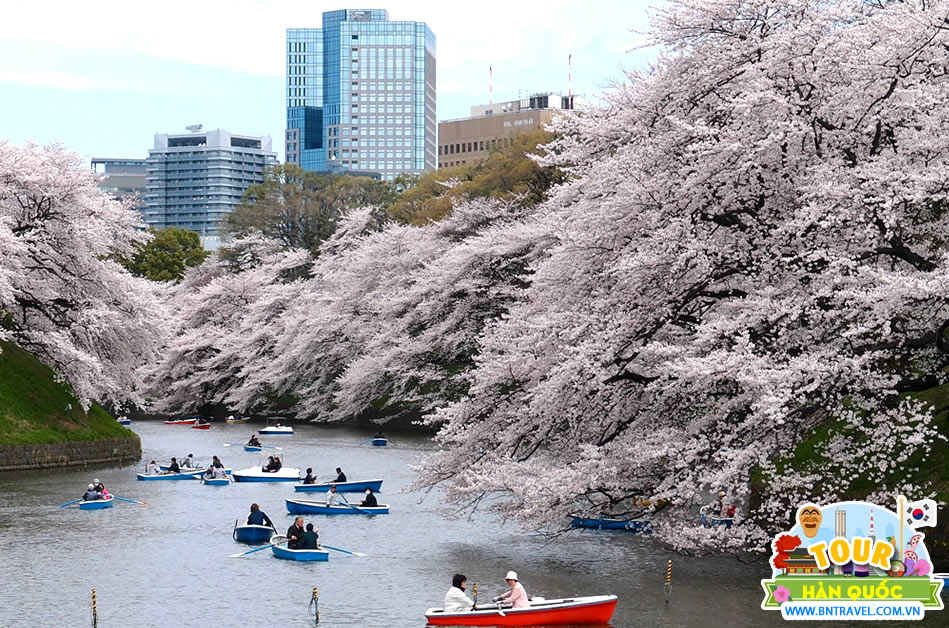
[[341, 487], [215, 481], [96, 504], [249, 533], [379, 442], [636, 526], [711, 520], [125, 421], [252, 448], [300, 555], [304, 507], [189, 475]]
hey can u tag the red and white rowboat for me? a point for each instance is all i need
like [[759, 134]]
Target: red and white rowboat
[[594, 609], [201, 426], [181, 422]]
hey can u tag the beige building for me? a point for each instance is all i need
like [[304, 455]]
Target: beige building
[[469, 140]]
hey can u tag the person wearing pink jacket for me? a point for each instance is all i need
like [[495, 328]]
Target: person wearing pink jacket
[[517, 596]]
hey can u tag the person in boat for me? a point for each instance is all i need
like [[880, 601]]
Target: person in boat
[[340, 477], [277, 464], [271, 466], [310, 538], [98, 485], [153, 468], [104, 493], [258, 517], [254, 441], [310, 478], [218, 472], [455, 600], [725, 509], [173, 467], [379, 434], [216, 462], [516, 596], [188, 463], [331, 496], [295, 533], [90, 495], [370, 499]]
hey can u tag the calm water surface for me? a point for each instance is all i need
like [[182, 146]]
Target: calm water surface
[[167, 565]]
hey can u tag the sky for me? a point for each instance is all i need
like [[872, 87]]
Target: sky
[[102, 78]]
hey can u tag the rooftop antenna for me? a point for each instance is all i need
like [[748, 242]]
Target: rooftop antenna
[[570, 81], [490, 85], [195, 128]]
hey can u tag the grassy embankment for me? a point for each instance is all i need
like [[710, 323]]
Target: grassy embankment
[[35, 408]]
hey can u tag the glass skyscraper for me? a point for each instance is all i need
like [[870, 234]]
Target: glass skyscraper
[[361, 95], [195, 179]]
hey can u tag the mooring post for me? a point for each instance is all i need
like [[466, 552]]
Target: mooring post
[[314, 607], [95, 615], [668, 587]]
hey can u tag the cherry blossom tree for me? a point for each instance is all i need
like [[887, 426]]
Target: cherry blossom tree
[[62, 295], [749, 256]]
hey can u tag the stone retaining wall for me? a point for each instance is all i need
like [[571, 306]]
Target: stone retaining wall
[[77, 453]]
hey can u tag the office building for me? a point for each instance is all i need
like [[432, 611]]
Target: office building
[[122, 178], [840, 531], [467, 141], [195, 179], [360, 95]]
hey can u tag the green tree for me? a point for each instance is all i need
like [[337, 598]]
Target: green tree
[[301, 209], [508, 172], [168, 255]]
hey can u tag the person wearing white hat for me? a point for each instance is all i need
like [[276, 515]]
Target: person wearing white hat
[[517, 596]]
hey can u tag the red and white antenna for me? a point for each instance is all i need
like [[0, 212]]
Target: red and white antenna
[[871, 523], [570, 81], [490, 85]]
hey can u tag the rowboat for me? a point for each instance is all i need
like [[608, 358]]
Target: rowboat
[[257, 474], [304, 507], [201, 426], [124, 420], [216, 481], [96, 504], [594, 609], [276, 429], [252, 448], [341, 487], [190, 420], [379, 442], [637, 526], [275, 425], [297, 554], [249, 533], [710, 519], [184, 475], [231, 419]]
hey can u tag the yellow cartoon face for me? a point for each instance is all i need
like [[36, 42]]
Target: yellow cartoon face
[[809, 516]]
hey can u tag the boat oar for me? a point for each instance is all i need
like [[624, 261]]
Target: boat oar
[[257, 549], [131, 501], [272, 447], [69, 503], [367, 441], [339, 549], [357, 508]]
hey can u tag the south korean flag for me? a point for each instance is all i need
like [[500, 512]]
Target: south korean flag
[[920, 514]]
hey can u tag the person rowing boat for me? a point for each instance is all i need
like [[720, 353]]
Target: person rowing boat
[[455, 600]]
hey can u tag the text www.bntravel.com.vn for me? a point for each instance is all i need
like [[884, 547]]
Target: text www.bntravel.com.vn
[[856, 611]]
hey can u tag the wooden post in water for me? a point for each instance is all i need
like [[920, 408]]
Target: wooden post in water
[[95, 615]]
